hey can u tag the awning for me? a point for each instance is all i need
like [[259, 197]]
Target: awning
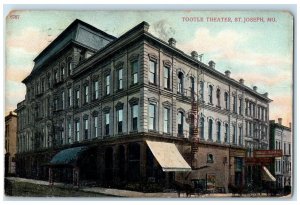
[[67, 156], [267, 176], [168, 157]]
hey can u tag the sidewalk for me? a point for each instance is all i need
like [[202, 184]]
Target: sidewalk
[[122, 193]]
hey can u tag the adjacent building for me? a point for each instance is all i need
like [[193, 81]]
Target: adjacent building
[[10, 143], [281, 139], [129, 100]]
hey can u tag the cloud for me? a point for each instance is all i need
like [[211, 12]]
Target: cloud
[[228, 44], [17, 73], [29, 39], [254, 78], [163, 29]]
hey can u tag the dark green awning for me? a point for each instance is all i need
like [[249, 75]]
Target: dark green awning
[[67, 157]]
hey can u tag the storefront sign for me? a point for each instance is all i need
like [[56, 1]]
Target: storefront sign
[[267, 153], [254, 160], [237, 153]]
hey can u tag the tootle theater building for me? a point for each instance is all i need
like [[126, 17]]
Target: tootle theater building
[[135, 109]]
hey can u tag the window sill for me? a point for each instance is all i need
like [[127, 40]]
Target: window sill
[[154, 84], [167, 89], [133, 132], [218, 106]]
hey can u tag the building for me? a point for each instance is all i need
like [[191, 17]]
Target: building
[[281, 139], [120, 97], [10, 143]]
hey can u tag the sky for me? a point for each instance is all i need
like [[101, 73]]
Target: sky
[[256, 46]]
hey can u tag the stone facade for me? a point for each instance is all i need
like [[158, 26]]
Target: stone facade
[[10, 143], [135, 88], [281, 139]]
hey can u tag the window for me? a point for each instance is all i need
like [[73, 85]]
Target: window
[[152, 72], [55, 76], [55, 104], [86, 129], [70, 67], [63, 100], [210, 124], [234, 134], [226, 133], [95, 126], [167, 83], [201, 90], [62, 73], [134, 117], [210, 158], [180, 122], [202, 127], [134, 74], [152, 111], [289, 149], [77, 127], [120, 79], [226, 99], [107, 84], [106, 123], [218, 97], [62, 133], [96, 90], [240, 107], [234, 104], [69, 132], [219, 131], [180, 83], [77, 98], [42, 85], [192, 86], [210, 94], [86, 94], [166, 120], [240, 136], [70, 97], [120, 120], [246, 108]]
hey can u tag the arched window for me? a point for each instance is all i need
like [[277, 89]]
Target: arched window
[[234, 134], [180, 82], [210, 124], [202, 127], [210, 94], [210, 158], [226, 133], [226, 101], [219, 131], [180, 122], [192, 86], [218, 96], [201, 90]]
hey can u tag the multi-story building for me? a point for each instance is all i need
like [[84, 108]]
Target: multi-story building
[[281, 139], [10, 143], [122, 96]]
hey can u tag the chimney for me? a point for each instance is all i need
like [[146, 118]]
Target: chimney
[[242, 81], [227, 73], [266, 94], [212, 64], [255, 88], [172, 42], [194, 54], [280, 121]]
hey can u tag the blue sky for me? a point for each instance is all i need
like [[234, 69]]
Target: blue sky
[[258, 52]]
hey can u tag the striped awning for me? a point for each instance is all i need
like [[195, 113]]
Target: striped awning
[[266, 175], [168, 156]]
